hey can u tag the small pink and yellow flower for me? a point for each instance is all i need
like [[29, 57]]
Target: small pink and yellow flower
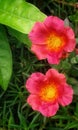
[[48, 91], [51, 39]]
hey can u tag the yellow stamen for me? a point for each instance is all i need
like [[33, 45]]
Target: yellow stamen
[[48, 93], [55, 42]]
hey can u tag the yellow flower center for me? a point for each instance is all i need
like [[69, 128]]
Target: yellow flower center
[[48, 93], [55, 42]]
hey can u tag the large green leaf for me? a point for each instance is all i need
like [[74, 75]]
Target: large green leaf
[[19, 15], [5, 60]]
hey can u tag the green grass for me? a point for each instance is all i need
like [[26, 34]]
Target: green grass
[[15, 113]]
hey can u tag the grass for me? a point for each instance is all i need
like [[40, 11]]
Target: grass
[[15, 113]]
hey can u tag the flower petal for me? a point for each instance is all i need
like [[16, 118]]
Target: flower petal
[[54, 23], [71, 42], [67, 96], [55, 76], [49, 109], [34, 102], [69, 32], [53, 58], [70, 46], [34, 82], [40, 51], [38, 33]]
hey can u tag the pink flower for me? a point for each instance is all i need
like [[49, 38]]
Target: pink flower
[[48, 91], [51, 39]]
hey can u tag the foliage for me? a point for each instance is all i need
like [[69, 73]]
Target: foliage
[[19, 16], [17, 62], [5, 59]]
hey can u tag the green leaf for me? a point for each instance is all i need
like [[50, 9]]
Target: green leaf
[[74, 60], [71, 125], [22, 121], [74, 83], [74, 17], [19, 15], [76, 40], [5, 60], [74, 71], [10, 120], [23, 38], [63, 66]]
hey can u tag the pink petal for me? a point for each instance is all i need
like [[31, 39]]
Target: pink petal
[[38, 33], [49, 109], [34, 102], [46, 109], [70, 46], [69, 32], [53, 59], [40, 51], [54, 23], [34, 82], [55, 76], [71, 42], [67, 95]]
